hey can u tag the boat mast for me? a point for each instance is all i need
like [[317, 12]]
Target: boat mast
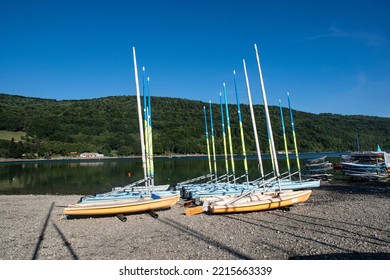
[[273, 151], [229, 134], [213, 141], [241, 129], [253, 122], [150, 135], [270, 150], [146, 126], [224, 139], [295, 138], [357, 142], [285, 139], [207, 140], [140, 119]]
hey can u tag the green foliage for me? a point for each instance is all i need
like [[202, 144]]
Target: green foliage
[[110, 126]]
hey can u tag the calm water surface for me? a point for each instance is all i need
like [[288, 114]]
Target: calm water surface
[[92, 176]]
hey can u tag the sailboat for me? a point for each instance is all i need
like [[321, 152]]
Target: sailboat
[[136, 189], [227, 183], [317, 168], [123, 201], [366, 165], [184, 186], [254, 200], [287, 183]]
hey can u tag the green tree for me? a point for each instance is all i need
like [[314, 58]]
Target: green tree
[[16, 149]]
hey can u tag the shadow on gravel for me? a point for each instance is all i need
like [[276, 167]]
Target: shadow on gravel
[[66, 243], [345, 256], [359, 187], [280, 228], [319, 222], [42, 234], [41, 237], [290, 225], [204, 238]]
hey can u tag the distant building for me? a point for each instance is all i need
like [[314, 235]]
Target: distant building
[[91, 155]]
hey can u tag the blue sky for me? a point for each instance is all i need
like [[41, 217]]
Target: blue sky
[[332, 56]]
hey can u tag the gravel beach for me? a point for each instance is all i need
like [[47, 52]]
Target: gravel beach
[[339, 221]]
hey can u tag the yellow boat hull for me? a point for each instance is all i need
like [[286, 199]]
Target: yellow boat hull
[[121, 206], [259, 202]]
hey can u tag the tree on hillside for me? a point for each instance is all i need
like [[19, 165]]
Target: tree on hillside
[[15, 149]]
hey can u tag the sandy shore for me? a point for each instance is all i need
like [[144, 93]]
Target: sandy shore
[[339, 221]]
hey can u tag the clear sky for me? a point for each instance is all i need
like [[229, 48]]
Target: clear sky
[[332, 56]]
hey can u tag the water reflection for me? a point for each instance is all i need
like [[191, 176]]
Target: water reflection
[[54, 177]]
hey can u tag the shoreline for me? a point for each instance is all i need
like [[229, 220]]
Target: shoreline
[[65, 159], [343, 221], [172, 156]]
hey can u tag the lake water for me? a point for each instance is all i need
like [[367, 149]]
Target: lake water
[[93, 176]]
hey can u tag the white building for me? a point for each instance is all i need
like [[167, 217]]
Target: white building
[[91, 155]]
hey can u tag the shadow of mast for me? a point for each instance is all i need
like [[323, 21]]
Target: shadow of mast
[[42, 235]]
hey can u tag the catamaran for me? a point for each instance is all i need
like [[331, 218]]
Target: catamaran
[[123, 201], [251, 200], [136, 189], [262, 184], [227, 183], [366, 164]]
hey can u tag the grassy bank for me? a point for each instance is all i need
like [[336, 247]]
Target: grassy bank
[[8, 135]]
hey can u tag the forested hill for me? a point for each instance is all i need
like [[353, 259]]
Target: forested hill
[[110, 126]]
